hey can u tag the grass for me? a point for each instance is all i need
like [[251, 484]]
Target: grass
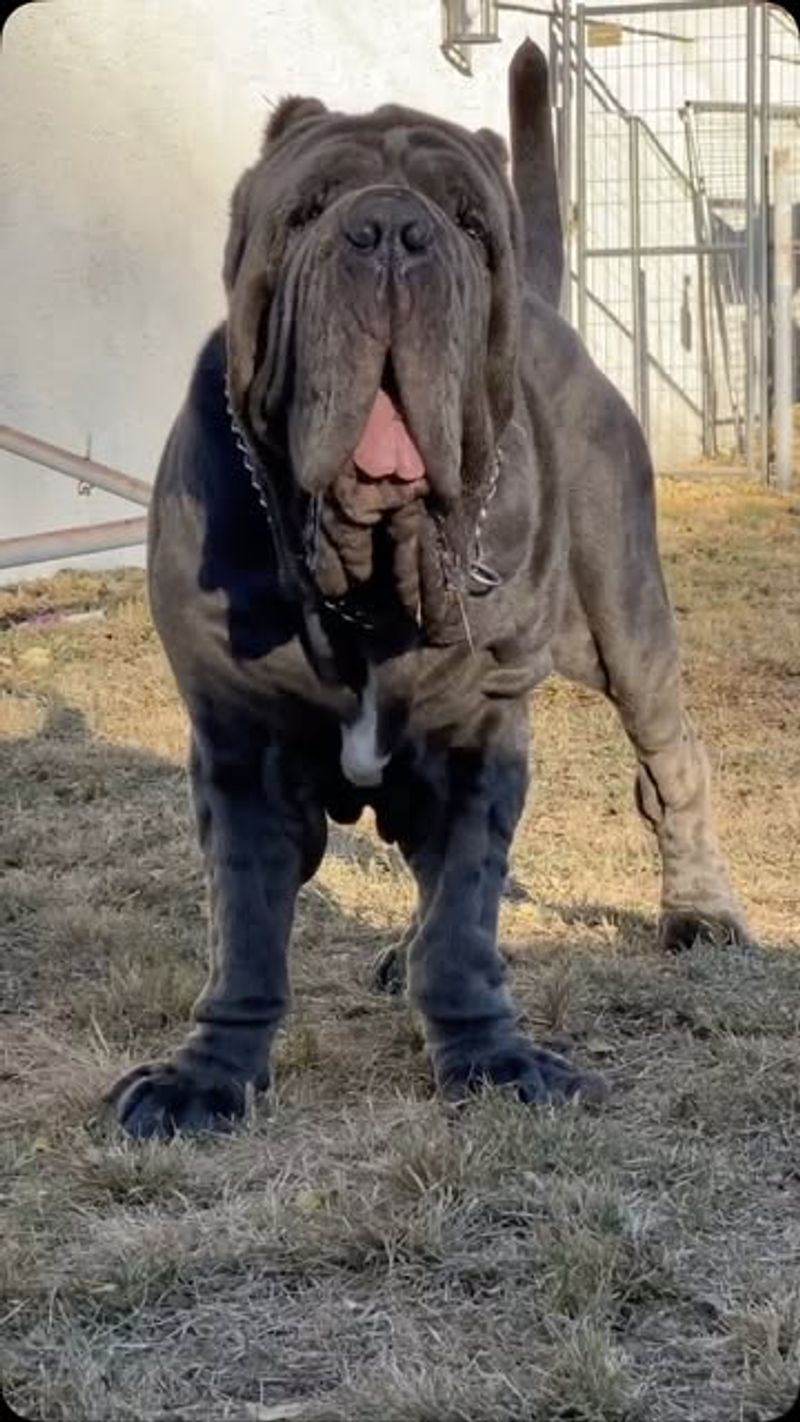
[[361, 1251]]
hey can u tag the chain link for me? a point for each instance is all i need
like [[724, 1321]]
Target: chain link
[[248, 458], [478, 571]]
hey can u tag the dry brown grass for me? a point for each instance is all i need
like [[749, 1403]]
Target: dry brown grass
[[361, 1252]]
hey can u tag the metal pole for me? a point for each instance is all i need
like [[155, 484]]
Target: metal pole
[[704, 312], [554, 70], [763, 228], [566, 165], [718, 309], [635, 254], [706, 342], [71, 542], [644, 359], [750, 255], [662, 250], [136, 491], [664, 7], [784, 282], [581, 234]]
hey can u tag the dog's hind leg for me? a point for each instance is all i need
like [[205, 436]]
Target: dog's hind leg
[[673, 794], [629, 650]]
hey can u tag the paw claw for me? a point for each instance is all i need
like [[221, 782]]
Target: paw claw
[[389, 972], [536, 1076], [681, 929], [160, 1100]]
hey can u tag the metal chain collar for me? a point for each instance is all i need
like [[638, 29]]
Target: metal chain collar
[[479, 571]]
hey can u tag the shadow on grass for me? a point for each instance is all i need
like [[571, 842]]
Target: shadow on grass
[[630, 922], [103, 894], [103, 930]]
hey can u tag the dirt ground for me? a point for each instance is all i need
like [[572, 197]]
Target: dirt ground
[[361, 1253]]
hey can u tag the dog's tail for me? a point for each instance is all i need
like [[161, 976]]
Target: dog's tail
[[533, 171]]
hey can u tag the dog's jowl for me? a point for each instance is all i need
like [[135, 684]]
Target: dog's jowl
[[398, 495]]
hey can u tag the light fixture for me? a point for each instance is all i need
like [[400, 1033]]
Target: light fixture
[[470, 22], [458, 55]]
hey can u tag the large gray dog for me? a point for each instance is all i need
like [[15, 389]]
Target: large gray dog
[[398, 495]]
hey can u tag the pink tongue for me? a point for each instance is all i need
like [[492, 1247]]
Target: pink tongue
[[386, 447]]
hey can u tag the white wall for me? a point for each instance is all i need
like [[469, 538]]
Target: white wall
[[125, 125]]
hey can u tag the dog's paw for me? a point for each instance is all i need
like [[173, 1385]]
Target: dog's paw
[[389, 971], [160, 1100], [534, 1075], [680, 929]]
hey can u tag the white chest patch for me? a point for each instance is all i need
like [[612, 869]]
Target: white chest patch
[[360, 760]]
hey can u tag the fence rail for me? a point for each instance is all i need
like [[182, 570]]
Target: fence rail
[[78, 541], [72, 542]]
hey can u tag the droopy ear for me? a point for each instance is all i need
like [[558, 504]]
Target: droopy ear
[[494, 145], [292, 110], [247, 305], [247, 294], [236, 240]]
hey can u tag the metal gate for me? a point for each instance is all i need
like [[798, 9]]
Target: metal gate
[[678, 130]]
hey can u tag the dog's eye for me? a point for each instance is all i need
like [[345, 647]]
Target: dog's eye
[[471, 224], [307, 212]]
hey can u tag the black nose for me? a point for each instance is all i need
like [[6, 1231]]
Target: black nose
[[388, 226]]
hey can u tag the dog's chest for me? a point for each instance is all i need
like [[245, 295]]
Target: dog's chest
[[405, 700], [363, 759]]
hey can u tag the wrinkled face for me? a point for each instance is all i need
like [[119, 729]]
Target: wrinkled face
[[372, 334]]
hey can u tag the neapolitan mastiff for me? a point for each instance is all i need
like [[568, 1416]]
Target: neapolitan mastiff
[[398, 495]]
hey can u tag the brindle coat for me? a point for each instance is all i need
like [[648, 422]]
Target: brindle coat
[[340, 645]]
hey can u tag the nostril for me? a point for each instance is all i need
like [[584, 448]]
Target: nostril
[[388, 227], [415, 235], [366, 235]]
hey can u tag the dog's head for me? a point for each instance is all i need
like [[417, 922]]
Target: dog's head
[[373, 270]]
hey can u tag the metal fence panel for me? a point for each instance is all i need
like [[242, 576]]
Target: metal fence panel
[[678, 110]]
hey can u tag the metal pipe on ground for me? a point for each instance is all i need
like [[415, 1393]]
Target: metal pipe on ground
[[40, 451], [784, 335], [72, 542]]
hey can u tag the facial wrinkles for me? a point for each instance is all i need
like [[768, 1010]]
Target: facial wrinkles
[[395, 154], [278, 337], [434, 171], [355, 166]]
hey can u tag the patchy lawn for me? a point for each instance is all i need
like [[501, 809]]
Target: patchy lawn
[[362, 1253]]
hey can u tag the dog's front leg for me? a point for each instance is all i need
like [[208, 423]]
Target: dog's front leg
[[261, 835], [456, 976]]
